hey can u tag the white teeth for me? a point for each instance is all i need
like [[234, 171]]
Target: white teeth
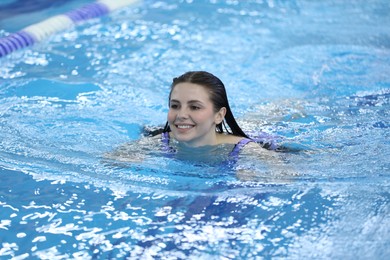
[[184, 126]]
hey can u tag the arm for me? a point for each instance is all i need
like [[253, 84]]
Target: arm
[[134, 152], [259, 164]]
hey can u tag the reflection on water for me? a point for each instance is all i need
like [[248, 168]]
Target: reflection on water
[[305, 218]]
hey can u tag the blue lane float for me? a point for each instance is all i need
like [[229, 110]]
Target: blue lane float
[[39, 31]]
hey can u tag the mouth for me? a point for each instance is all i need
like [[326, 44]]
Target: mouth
[[184, 126]]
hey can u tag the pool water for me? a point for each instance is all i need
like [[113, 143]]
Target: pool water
[[312, 74]]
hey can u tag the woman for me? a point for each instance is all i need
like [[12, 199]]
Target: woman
[[199, 111], [200, 127]]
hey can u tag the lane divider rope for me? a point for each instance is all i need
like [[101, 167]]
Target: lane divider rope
[[38, 32]]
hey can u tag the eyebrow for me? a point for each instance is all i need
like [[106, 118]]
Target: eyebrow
[[189, 102]]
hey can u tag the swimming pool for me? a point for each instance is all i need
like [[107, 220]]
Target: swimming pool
[[313, 74]]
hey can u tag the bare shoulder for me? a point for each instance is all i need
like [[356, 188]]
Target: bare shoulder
[[253, 147], [154, 138], [228, 139], [134, 151]]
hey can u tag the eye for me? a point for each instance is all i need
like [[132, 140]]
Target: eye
[[174, 106], [194, 107]]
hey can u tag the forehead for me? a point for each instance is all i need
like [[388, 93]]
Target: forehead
[[190, 91]]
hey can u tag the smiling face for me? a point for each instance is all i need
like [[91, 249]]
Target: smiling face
[[191, 115]]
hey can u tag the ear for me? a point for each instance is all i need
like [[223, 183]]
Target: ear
[[220, 115]]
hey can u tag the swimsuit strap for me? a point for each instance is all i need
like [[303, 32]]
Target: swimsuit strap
[[165, 141], [237, 148], [165, 138]]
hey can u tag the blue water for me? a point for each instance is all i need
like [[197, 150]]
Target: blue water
[[313, 74], [17, 14]]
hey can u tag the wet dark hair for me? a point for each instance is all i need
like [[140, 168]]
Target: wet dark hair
[[218, 97]]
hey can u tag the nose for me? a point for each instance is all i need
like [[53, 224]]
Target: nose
[[182, 113]]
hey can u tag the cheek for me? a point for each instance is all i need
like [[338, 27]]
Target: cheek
[[171, 116], [204, 117]]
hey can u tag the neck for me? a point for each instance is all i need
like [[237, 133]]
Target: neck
[[210, 140]]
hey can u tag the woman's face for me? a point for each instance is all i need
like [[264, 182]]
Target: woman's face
[[191, 115]]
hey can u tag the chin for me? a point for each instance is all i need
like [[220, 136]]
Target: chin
[[182, 138]]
